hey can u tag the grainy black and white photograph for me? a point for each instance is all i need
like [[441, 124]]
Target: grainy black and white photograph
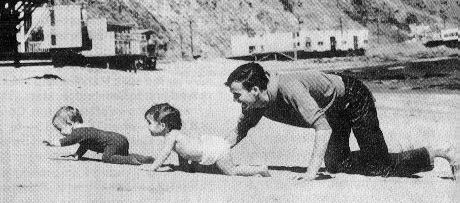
[[229, 100]]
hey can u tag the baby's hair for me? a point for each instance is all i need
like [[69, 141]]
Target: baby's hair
[[167, 114], [69, 114]]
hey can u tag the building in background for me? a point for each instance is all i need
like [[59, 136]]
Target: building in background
[[301, 44], [65, 31]]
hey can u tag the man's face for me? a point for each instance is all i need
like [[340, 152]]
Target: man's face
[[248, 99]]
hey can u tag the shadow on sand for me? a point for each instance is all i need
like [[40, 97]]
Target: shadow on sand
[[69, 159], [213, 169]]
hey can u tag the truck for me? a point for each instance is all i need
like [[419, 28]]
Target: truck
[[72, 36]]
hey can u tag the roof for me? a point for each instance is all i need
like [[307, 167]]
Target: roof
[[113, 17], [144, 31]]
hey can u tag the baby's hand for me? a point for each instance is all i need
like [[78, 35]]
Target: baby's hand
[[47, 143], [146, 168], [51, 143], [165, 169], [71, 157]]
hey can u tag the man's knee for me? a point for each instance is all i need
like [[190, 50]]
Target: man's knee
[[333, 164]]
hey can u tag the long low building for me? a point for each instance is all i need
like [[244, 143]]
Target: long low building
[[303, 40]]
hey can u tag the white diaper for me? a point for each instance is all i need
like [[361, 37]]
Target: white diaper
[[214, 148]]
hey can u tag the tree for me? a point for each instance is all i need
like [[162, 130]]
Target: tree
[[443, 12], [12, 13], [412, 19]]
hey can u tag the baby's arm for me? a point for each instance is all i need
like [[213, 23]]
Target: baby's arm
[[71, 139], [169, 143], [77, 155], [52, 143]]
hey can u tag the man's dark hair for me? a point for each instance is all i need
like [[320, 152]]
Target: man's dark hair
[[69, 114], [250, 75], [167, 114]]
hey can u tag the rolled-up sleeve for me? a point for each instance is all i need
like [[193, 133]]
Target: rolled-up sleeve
[[299, 97]]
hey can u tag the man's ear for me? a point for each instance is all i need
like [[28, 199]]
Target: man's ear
[[163, 125], [255, 89]]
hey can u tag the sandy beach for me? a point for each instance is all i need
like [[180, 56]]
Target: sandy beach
[[116, 101]]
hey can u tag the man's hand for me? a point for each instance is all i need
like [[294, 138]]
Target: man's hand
[[309, 177], [305, 177]]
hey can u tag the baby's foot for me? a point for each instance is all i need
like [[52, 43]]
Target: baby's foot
[[455, 171], [265, 172], [134, 161]]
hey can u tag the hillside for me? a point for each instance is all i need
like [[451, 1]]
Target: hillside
[[211, 23]]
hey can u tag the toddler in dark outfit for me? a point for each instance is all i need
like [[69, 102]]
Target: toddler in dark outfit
[[68, 121]]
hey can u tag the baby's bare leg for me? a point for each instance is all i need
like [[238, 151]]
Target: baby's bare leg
[[110, 155], [229, 168]]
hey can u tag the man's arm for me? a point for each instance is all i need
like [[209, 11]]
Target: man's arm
[[300, 97], [248, 119], [322, 135]]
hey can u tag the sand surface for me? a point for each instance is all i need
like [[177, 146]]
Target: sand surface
[[116, 101]]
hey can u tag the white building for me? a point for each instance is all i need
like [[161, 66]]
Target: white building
[[102, 42], [449, 34], [65, 27], [66, 24], [419, 31], [142, 40], [59, 25], [303, 40]]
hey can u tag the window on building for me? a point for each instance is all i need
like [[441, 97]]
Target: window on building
[[53, 20], [344, 42], [295, 34], [307, 42], [320, 43], [298, 44], [53, 39], [252, 49], [262, 48], [365, 41], [37, 34]]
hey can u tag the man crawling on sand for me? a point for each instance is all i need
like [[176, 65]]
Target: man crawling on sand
[[69, 122], [164, 120], [334, 106]]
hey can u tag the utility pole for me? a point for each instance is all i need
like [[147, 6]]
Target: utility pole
[[341, 25], [378, 29], [182, 53], [180, 39], [191, 37]]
